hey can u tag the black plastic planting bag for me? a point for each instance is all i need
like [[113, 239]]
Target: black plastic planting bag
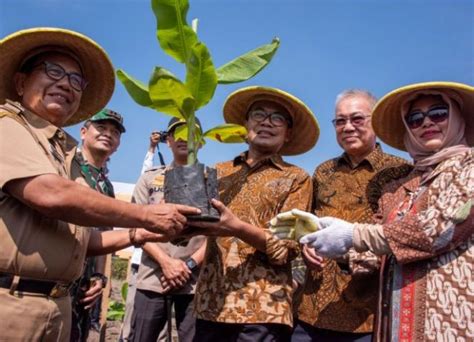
[[193, 185]]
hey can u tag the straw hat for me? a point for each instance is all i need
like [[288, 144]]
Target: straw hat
[[95, 63], [305, 126], [387, 117]]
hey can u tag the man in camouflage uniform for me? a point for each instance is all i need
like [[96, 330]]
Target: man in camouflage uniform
[[100, 137]]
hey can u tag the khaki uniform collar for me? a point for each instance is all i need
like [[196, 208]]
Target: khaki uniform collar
[[275, 160], [46, 128], [374, 159]]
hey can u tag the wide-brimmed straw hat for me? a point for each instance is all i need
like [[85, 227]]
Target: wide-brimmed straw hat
[[95, 64], [387, 118], [305, 129]]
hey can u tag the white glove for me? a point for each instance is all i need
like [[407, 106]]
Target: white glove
[[293, 224], [333, 240]]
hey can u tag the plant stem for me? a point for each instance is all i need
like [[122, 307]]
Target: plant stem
[[192, 153]]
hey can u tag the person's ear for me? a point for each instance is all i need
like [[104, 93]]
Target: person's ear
[[83, 132], [19, 80]]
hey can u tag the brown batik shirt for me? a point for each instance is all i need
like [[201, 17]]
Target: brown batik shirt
[[342, 297], [239, 284]]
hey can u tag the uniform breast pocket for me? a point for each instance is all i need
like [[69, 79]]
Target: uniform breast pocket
[[155, 194]]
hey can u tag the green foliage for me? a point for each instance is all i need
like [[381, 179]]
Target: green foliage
[[176, 38], [167, 94], [116, 309], [227, 133], [201, 77], [248, 65], [137, 90], [119, 268], [124, 291]]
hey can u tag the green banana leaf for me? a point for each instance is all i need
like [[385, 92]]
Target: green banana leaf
[[136, 89], [181, 132], [116, 311], [169, 95], [174, 35], [248, 65], [201, 77], [227, 133], [124, 291]]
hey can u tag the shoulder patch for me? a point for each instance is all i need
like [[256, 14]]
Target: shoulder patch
[[5, 113], [158, 180]]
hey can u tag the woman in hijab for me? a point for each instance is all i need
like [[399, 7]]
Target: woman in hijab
[[426, 229]]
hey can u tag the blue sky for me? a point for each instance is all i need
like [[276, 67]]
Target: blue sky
[[326, 47]]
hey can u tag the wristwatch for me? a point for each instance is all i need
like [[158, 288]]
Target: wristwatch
[[191, 263]]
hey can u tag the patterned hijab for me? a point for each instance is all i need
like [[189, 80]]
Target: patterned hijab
[[454, 141]]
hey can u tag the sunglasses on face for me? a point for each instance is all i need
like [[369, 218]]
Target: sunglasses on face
[[276, 119], [438, 114], [57, 73], [355, 120]]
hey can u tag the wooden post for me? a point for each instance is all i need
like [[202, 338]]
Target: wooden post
[[106, 297]]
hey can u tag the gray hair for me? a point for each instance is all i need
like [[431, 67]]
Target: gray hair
[[357, 93]]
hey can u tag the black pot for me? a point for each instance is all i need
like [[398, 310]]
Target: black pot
[[193, 185]]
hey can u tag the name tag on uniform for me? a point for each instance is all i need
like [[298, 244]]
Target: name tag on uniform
[[157, 185]]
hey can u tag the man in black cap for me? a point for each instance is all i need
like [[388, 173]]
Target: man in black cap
[[167, 273]]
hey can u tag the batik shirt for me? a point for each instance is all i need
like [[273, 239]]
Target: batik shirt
[[239, 284], [343, 296], [428, 292]]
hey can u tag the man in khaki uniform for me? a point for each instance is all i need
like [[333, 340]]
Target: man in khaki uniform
[[59, 77], [167, 273]]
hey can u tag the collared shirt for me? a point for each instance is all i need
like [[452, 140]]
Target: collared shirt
[[239, 284], [96, 177], [32, 245], [149, 190], [342, 297]]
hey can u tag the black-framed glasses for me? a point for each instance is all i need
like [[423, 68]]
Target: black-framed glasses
[[276, 119], [356, 120], [57, 73], [437, 114]]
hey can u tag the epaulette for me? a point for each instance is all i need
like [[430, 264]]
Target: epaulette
[[155, 168], [12, 110]]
